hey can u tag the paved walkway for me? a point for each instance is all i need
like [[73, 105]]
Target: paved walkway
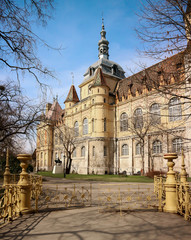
[[89, 224]]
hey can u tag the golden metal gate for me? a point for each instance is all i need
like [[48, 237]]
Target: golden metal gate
[[127, 197], [116, 197]]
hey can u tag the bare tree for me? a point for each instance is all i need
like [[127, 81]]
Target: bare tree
[[66, 136], [165, 26], [139, 126], [18, 41], [18, 116], [165, 29]]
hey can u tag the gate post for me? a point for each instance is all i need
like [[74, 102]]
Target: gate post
[[170, 185], [24, 184]]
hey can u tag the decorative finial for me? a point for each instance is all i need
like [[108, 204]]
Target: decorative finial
[[102, 22], [183, 173]]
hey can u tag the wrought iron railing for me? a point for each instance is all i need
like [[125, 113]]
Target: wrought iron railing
[[10, 198], [183, 196], [183, 192], [74, 196]]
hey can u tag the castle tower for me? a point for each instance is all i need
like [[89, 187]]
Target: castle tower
[[100, 129]]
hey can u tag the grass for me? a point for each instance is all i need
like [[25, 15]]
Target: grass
[[104, 178]]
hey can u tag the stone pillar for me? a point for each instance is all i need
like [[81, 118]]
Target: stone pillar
[[7, 174], [24, 184], [170, 185]]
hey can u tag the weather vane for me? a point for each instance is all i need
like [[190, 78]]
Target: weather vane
[[102, 18], [72, 78]]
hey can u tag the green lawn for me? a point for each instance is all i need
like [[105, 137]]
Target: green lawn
[[104, 178]]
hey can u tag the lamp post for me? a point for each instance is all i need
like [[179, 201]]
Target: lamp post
[[64, 167]]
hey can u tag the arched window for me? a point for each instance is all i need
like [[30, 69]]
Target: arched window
[[83, 151], [138, 118], [85, 126], [138, 149], [74, 153], [157, 146], [42, 138], [104, 151], [123, 122], [92, 124], [93, 151], [175, 111], [76, 129], [155, 113], [177, 145], [104, 125], [124, 150]]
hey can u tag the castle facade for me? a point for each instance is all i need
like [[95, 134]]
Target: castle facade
[[121, 125]]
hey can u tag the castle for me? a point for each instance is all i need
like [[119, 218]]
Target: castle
[[121, 125]]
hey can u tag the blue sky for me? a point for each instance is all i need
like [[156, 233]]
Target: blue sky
[[76, 26]]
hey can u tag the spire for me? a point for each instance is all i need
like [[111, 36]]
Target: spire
[[103, 44], [72, 95]]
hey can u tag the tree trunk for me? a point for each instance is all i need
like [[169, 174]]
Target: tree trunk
[[143, 160], [68, 164]]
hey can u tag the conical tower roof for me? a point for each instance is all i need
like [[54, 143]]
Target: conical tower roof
[[72, 95], [99, 79], [54, 112]]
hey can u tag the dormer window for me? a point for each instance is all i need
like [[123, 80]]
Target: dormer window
[[91, 71], [159, 73], [178, 65], [114, 69]]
